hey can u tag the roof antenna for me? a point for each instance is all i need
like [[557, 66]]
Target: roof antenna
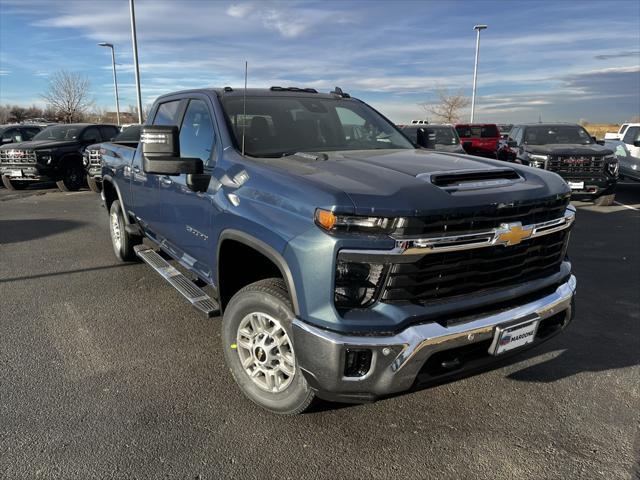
[[244, 104]]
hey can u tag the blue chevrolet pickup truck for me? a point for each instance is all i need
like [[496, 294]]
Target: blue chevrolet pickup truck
[[347, 263]]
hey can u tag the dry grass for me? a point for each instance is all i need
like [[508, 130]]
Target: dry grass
[[599, 129]]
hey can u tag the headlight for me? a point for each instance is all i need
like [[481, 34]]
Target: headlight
[[538, 161], [612, 166], [332, 222], [357, 284]]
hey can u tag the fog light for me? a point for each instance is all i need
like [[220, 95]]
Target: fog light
[[357, 284], [357, 363]]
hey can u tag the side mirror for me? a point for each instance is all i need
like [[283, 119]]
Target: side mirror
[[636, 143], [161, 152], [426, 138], [198, 182]]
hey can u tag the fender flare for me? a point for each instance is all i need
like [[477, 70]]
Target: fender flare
[[109, 179], [267, 251]]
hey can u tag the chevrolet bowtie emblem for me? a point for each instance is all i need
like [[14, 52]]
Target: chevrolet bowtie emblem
[[514, 233]]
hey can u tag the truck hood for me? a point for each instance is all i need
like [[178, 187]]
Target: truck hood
[[40, 144], [568, 149], [398, 182]]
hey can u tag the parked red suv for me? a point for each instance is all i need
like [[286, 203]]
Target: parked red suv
[[479, 138]]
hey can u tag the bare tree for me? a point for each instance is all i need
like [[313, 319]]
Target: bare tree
[[17, 114], [68, 95], [449, 105], [4, 113]]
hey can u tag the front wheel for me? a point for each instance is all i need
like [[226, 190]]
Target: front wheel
[[259, 351], [72, 178], [122, 241], [605, 200], [14, 184]]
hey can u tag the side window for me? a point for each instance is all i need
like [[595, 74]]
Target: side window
[[13, 135], [29, 133], [197, 136], [167, 113], [631, 135], [518, 136], [107, 132], [91, 134]]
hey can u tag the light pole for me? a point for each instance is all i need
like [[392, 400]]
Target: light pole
[[115, 78], [134, 41], [477, 28]]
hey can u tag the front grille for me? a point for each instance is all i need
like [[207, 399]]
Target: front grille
[[575, 164], [443, 275], [94, 157], [479, 219], [16, 156]]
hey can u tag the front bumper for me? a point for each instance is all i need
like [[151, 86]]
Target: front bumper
[[399, 361], [592, 187], [30, 171]]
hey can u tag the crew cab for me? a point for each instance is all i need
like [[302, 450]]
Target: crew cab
[[436, 137], [479, 138], [54, 154], [590, 169], [92, 156], [617, 135], [347, 264], [631, 138]]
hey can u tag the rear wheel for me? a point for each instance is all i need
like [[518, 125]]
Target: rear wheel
[[259, 351], [94, 185], [72, 178], [605, 200], [14, 184], [122, 241]]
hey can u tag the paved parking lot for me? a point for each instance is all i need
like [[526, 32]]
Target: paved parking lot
[[105, 372]]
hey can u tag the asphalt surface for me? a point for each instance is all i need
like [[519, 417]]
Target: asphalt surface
[[106, 372]]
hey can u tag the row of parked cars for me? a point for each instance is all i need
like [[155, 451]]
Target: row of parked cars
[[590, 167]]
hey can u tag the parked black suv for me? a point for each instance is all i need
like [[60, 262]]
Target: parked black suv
[[591, 170], [436, 137], [53, 154], [92, 156]]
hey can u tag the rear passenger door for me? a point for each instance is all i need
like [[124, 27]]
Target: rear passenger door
[[145, 186], [186, 215]]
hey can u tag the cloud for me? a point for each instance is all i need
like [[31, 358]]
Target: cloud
[[635, 54], [4, 73]]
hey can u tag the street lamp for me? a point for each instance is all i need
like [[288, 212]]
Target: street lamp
[[134, 41], [477, 28], [115, 79]]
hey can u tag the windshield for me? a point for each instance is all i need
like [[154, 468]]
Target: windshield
[[279, 125], [59, 132], [558, 134]]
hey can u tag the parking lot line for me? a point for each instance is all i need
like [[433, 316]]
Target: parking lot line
[[627, 206]]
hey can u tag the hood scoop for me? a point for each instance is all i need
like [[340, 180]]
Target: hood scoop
[[454, 181]]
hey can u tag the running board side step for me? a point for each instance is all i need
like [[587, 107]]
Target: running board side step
[[186, 287]]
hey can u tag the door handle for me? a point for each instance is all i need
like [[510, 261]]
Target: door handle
[[166, 180]]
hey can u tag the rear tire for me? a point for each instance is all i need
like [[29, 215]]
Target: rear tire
[[94, 185], [605, 200], [257, 341], [122, 241], [14, 184], [72, 178]]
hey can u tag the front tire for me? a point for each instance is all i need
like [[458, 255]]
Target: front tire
[[259, 351], [605, 200], [72, 178], [14, 184], [122, 241], [94, 185]]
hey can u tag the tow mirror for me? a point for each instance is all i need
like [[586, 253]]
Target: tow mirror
[[426, 137], [161, 152]]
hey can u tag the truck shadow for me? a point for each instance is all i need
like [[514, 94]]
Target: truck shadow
[[14, 231]]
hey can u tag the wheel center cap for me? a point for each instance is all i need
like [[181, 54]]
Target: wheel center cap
[[260, 354]]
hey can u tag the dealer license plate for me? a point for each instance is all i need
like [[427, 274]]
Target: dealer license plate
[[576, 185], [16, 173], [513, 336]]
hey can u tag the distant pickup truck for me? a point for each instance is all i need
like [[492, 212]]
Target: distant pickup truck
[[617, 135], [436, 137], [591, 170], [54, 154], [348, 264], [479, 138]]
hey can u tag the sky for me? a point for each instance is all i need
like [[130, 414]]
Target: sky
[[561, 60]]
